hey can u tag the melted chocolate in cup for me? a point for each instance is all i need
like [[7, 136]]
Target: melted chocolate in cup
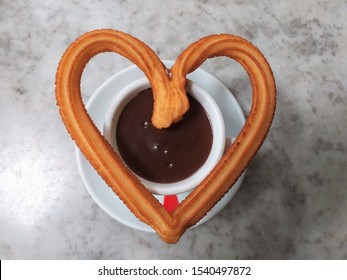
[[163, 155]]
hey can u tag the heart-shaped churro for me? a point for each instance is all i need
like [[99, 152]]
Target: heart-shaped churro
[[170, 103]]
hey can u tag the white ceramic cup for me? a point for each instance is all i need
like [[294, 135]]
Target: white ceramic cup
[[216, 121]]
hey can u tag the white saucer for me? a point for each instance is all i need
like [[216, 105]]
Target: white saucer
[[97, 107]]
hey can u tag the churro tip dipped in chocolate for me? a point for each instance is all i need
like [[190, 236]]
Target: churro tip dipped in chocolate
[[170, 103]]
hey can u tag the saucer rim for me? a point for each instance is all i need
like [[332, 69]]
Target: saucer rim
[[137, 224]]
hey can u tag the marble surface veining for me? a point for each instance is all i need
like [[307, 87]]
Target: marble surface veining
[[292, 203]]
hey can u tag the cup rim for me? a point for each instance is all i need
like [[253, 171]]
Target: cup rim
[[217, 125]]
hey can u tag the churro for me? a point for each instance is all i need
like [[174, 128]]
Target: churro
[[170, 104]]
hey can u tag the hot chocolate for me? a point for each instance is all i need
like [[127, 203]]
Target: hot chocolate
[[163, 155]]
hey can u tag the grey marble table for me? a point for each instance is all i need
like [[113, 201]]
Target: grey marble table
[[292, 203]]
